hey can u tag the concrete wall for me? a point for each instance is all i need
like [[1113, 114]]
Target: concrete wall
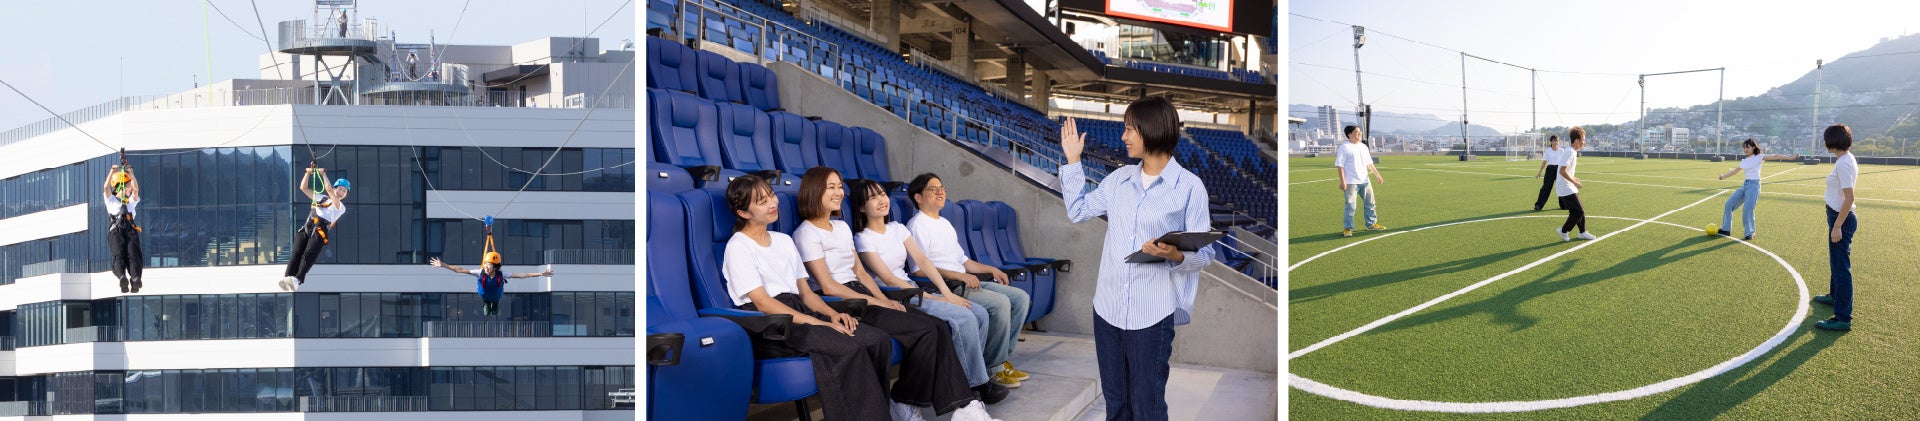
[[1223, 316]]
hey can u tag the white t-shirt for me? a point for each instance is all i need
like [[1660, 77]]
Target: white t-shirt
[[1751, 166], [1147, 180], [835, 247], [1555, 156], [1353, 159], [333, 211], [938, 239], [1845, 171], [891, 247], [1562, 187], [746, 265], [113, 205]]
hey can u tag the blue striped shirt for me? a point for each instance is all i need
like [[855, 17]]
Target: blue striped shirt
[[1135, 296]]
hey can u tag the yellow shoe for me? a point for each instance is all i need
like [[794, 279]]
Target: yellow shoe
[[1015, 373], [1005, 380], [1346, 233], [1377, 227]]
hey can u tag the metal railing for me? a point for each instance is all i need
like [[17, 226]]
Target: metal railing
[[590, 256], [19, 409], [486, 329], [43, 268], [362, 404], [91, 334]]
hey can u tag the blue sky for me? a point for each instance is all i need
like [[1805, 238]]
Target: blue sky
[[73, 54], [1762, 43]]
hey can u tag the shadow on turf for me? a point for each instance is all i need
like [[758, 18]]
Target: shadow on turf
[[1505, 307], [1316, 292], [1335, 234], [1715, 396]]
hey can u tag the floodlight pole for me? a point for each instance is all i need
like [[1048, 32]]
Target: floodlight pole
[[1819, 69], [1360, 95], [1465, 140]]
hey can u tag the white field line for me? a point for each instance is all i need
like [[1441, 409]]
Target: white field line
[[1673, 187], [1793, 324], [1470, 288], [1305, 182]]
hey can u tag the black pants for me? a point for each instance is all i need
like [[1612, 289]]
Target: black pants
[[1576, 214], [850, 371], [930, 373], [306, 248], [1546, 187], [124, 241]]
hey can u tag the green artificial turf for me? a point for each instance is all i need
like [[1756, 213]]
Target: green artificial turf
[[1640, 306]]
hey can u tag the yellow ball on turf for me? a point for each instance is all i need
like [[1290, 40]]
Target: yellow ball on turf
[[1713, 229]]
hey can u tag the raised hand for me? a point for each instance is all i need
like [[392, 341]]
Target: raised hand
[[1072, 142]]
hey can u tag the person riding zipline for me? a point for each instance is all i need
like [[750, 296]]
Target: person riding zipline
[[327, 207], [490, 282], [121, 192]]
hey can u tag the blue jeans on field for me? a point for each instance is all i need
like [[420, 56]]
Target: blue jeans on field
[[1359, 192], [1748, 196], [1007, 310], [969, 335], [1133, 369], [1840, 264]]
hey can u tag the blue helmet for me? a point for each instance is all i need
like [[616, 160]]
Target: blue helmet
[[342, 183]]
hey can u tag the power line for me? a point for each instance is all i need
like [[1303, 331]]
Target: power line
[[75, 127]]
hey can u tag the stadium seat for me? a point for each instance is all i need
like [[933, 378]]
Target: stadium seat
[[871, 155], [670, 65], [684, 132], [662, 177], [795, 142], [836, 146], [717, 77], [759, 87], [980, 248], [708, 374], [746, 141]]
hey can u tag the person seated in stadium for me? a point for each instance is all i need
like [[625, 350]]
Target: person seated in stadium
[[884, 248], [1006, 305], [1136, 305], [931, 371], [122, 194], [763, 272], [329, 204]]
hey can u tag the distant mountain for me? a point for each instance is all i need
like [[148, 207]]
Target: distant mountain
[[1869, 90], [1387, 122]]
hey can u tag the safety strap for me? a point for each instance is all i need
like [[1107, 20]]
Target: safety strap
[[318, 185]]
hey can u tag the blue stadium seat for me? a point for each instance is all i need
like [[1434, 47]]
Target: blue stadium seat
[[1006, 226], [871, 155], [795, 142], [663, 177], [759, 88], [985, 250], [684, 132], [718, 77], [746, 141], [836, 146], [670, 65], [709, 376]]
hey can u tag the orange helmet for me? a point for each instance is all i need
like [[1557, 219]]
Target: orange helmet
[[119, 177], [491, 257]]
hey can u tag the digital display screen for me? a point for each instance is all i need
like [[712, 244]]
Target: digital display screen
[[1208, 14]]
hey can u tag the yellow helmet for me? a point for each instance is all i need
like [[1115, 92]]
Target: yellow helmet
[[491, 257]]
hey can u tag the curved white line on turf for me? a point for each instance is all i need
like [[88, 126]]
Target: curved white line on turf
[[1793, 324]]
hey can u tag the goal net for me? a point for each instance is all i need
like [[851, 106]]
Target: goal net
[[1524, 146]]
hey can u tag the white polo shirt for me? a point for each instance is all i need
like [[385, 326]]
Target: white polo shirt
[[746, 265], [938, 239]]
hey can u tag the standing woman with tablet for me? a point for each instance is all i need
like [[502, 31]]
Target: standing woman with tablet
[[1136, 305]]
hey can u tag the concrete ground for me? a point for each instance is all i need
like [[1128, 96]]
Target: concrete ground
[[1065, 387]]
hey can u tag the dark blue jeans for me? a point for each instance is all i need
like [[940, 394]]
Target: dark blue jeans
[[1840, 264], [1133, 369]]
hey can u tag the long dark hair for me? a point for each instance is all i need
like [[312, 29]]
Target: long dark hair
[[1749, 143], [859, 191], [741, 193]]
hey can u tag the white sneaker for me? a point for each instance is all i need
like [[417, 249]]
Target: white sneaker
[[974, 411], [904, 412], [286, 283], [1586, 236], [1563, 235]]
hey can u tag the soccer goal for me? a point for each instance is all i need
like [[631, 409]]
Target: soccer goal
[[1523, 146]]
